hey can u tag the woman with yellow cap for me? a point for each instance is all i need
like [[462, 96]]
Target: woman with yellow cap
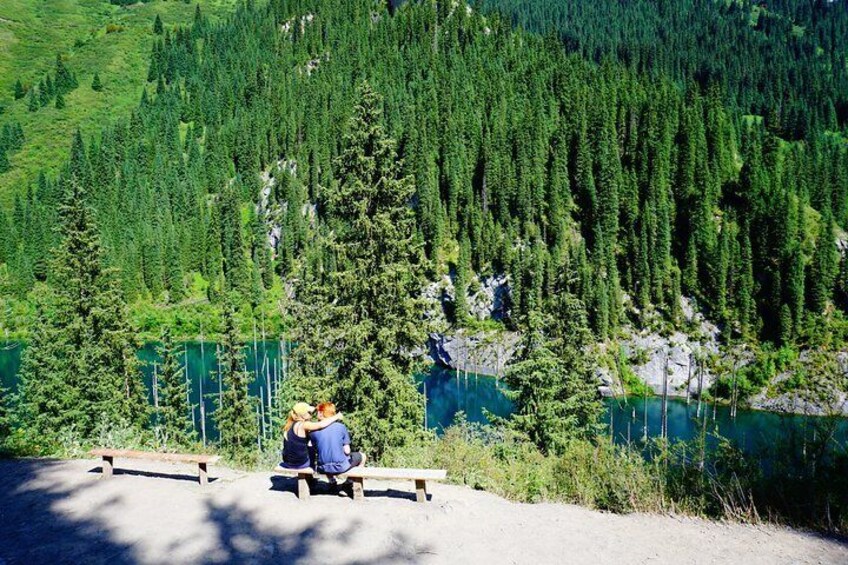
[[296, 443]]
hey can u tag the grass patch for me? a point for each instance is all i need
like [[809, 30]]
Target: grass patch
[[92, 36], [680, 478]]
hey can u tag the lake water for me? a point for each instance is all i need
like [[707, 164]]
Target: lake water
[[449, 393]]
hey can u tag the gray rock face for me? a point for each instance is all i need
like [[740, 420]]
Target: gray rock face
[[484, 353], [677, 353], [795, 402], [487, 298], [491, 299]]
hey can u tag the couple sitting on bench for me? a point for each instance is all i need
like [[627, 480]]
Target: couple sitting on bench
[[330, 452]]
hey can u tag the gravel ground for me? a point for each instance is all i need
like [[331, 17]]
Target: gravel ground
[[60, 511]]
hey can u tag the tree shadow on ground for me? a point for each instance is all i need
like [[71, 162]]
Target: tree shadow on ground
[[152, 474], [37, 525], [33, 531], [240, 538]]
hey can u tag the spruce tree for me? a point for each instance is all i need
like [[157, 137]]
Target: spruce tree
[[96, 85], [824, 266], [174, 414], [461, 281], [80, 370], [158, 28], [33, 105], [552, 383], [236, 413], [60, 101], [357, 326], [44, 95], [19, 90], [65, 81]]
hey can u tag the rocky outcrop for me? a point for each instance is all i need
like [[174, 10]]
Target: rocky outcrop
[[487, 297], [652, 354], [485, 353], [795, 403], [828, 403]]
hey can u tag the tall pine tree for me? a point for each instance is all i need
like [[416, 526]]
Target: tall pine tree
[[359, 324], [236, 414], [174, 413]]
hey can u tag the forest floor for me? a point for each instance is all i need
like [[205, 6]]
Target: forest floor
[[60, 511]]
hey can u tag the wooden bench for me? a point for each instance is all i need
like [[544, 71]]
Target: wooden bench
[[109, 456], [357, 476]]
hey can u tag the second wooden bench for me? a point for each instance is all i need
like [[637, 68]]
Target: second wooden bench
[[109, 456]]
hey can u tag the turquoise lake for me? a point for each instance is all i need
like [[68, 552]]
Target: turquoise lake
[[448, 393]]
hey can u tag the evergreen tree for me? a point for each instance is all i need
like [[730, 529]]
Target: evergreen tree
[[158, 28], [173, 416], [80, 370], [96, 85], [551, 383], [65, 81], [32, 105], [461, 283], [357, 327], [236, 414], [60, 101], [19, 90], [823, 268]]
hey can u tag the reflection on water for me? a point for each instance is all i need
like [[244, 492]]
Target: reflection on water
[[449, 393]]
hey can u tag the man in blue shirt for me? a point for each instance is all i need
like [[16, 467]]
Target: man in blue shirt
[[333, 445]]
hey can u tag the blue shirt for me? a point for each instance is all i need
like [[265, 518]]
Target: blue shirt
[[329, 444]]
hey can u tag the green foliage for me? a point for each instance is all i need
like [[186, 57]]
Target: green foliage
[[791, 78], [80, 367], [577, 170], [357, 322], [752, 377], [552, 384], [235, 415], [173, 416], [158, 28], [96, 85], [682, 478], [5, 423], [633, 385]]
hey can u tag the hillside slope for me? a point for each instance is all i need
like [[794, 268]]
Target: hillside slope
[[91, 36]]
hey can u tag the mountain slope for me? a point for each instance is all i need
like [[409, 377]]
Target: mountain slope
[[91, 36]]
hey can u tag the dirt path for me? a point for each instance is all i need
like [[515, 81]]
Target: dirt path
[[59, 511]]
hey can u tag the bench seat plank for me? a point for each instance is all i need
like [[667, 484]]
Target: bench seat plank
[[154, 456], [377, 473]]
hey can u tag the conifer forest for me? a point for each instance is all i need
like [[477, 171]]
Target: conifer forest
[[313, 165]]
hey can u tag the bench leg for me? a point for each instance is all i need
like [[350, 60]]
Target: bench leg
[[420, 491], [358, 488], [107, 467], [303, 487], [202, 474]]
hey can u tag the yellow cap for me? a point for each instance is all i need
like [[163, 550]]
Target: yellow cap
[[303, 409]]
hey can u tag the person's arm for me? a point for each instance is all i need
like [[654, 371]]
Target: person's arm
[[321, 424], [346, 442]]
